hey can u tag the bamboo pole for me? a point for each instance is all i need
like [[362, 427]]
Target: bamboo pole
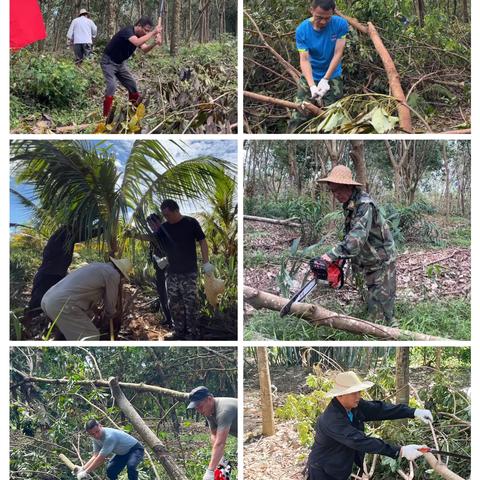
[[268, 421]]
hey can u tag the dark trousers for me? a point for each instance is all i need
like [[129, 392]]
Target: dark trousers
[[319, 474], [41, 283], [160, 282], [131, 460], [113, 72], [81, 51]]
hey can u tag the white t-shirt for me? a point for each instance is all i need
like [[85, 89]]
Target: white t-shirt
[[82, 30]]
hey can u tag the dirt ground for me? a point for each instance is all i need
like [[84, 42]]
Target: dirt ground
[[422, 274]]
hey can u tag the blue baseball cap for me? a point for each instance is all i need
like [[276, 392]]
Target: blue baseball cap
[[197, 395]]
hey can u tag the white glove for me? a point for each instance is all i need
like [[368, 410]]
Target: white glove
[[208, 474], [82, 474], [208, 268], [323, 87], [314, 91], [424, 415], [411, 452]]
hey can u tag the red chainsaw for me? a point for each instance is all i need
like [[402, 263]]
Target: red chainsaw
[[330, 274], [222, 472]]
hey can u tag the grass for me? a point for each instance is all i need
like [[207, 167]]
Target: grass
[[448, 319], [459, 236]]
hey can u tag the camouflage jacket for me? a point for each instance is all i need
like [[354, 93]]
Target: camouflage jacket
[[368, 240]]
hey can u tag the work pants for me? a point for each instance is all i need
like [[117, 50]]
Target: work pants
[[160, 283], [131, 460], [113, 72], [182, 297], [381, 290], [72, 321], [81, 51]]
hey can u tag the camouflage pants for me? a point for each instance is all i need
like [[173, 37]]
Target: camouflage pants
[[381, 289], [183, 302], [303, 95]]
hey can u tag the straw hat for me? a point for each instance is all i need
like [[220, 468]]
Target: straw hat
[[340, 174], [82, 11], [123, 264], [348, 382]]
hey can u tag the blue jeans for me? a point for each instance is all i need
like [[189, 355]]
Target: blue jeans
[[131, 460]]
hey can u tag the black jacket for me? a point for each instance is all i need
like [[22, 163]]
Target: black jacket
[[339, 443]]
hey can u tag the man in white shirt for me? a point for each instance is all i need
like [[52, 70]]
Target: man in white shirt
[[81, 33], [69, 301]]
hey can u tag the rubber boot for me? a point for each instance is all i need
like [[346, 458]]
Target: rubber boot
[[107, 105], [135, 98]]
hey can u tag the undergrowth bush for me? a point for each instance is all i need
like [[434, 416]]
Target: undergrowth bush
[[47, 80]]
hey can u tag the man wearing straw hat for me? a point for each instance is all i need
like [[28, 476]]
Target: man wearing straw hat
[[69, 301], [81, 33], [368, 243], [340, 441]]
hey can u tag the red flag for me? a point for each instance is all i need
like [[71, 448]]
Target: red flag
[[26, 23]]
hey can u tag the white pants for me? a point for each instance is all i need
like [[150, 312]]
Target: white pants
[[72, 321]]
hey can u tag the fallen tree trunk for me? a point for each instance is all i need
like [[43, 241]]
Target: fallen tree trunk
[[139, 387], [465, 131], [313, 109], [441, 468], [290, 222], [393, 79], [169, 464], [321, 316]]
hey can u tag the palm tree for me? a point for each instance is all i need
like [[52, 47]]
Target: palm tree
[[79, 183], [220, 225]]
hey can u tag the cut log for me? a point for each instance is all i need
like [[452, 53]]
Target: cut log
[[441, 468], [465, 131], [301, 107], [321, 316], [73, 128], [71, 466], [268, 421], [171, 466], [139, 387], [289, 222]]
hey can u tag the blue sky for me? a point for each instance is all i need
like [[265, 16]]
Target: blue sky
[[223, 149]]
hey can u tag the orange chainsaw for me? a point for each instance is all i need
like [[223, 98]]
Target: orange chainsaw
[[326, 273]]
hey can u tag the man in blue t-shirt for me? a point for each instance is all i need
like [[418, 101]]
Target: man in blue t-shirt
[[320, 41], [128, 452], [120, 48]]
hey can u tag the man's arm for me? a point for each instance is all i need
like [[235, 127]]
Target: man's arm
[[353, 242], [94, 29], [218, 439], [204, 249], [90, 461], [348, 435], [95, 462], [306, 68], [377, 410], [139, 41], [337, 57]]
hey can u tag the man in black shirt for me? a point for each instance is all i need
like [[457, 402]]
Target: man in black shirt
[[57, 257], [120, 48], [178, 235], [340, 440]]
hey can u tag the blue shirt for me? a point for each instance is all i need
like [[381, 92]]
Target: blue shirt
[[113, 441], [320, 44]]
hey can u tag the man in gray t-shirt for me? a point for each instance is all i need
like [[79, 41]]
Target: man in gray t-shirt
[[221, 415], [128, 452]]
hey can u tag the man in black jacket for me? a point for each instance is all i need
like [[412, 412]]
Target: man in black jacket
[[340, 440]]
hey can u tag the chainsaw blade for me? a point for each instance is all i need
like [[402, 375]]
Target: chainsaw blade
[[299, 296]]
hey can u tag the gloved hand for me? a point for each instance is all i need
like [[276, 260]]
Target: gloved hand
[[411, 452], [82, 474], [314, 91], [424, 415], [208, 474], [208, 268], [323, 87]]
